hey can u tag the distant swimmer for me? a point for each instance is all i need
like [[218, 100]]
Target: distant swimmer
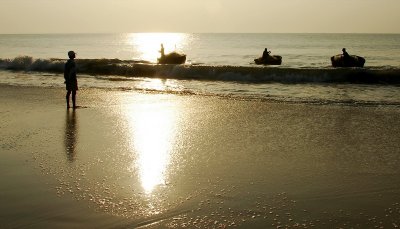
[[71, 82], [162, 50], [266, 53]]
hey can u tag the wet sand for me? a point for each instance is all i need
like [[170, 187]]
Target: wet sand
[[145, 160]]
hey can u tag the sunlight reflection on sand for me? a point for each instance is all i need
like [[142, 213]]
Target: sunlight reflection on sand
[[152, 134]]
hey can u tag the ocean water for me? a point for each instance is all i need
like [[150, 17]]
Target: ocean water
[[218, 64], [297, 50]]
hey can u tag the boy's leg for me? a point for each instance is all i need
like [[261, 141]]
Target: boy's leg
[[74, 99], [67, 97]]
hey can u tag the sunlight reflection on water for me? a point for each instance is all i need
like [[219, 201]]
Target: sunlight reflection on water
[[148, 44], [152, 132]]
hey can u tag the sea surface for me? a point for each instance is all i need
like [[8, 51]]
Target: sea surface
[[217, 64]]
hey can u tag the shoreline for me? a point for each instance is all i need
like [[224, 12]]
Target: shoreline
[[255, 98], [151, 160]]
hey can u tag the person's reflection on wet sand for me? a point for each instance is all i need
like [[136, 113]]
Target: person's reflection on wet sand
[[70, 135]]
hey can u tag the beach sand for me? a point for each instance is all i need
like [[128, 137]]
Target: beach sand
[[126, 159]]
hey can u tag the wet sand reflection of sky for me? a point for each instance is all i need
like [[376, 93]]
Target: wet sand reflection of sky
[[70, 138]]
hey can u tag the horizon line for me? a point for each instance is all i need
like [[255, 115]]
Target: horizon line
[[104, 33]]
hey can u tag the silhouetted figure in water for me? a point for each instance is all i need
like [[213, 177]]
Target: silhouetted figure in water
[[265, 53], [70, 135], [162, 50], [71, 82]]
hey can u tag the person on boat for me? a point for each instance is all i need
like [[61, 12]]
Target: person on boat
[[265, 53], [71, 82], [162, 50], [346, 56]]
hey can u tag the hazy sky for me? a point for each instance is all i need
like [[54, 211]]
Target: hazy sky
[[292, 16]]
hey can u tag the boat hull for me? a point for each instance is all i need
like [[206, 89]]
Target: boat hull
[[172, 58], [270, 60], [353, 61]]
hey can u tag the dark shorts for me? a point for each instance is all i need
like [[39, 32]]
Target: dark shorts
[[71, 85]]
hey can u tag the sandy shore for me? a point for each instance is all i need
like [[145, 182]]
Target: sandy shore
[[131, 160]]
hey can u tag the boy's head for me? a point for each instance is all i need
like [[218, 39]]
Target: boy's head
[[71, 54]]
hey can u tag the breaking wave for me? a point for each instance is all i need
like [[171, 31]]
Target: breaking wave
[[256, 74]]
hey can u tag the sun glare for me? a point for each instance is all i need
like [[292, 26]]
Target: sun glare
[[152, 132], [149, 44]]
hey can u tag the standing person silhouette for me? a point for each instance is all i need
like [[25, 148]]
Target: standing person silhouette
[[162, 50], [71, 82]]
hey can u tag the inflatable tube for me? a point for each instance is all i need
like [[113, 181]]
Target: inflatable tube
[[352, 61], [270, 60]]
